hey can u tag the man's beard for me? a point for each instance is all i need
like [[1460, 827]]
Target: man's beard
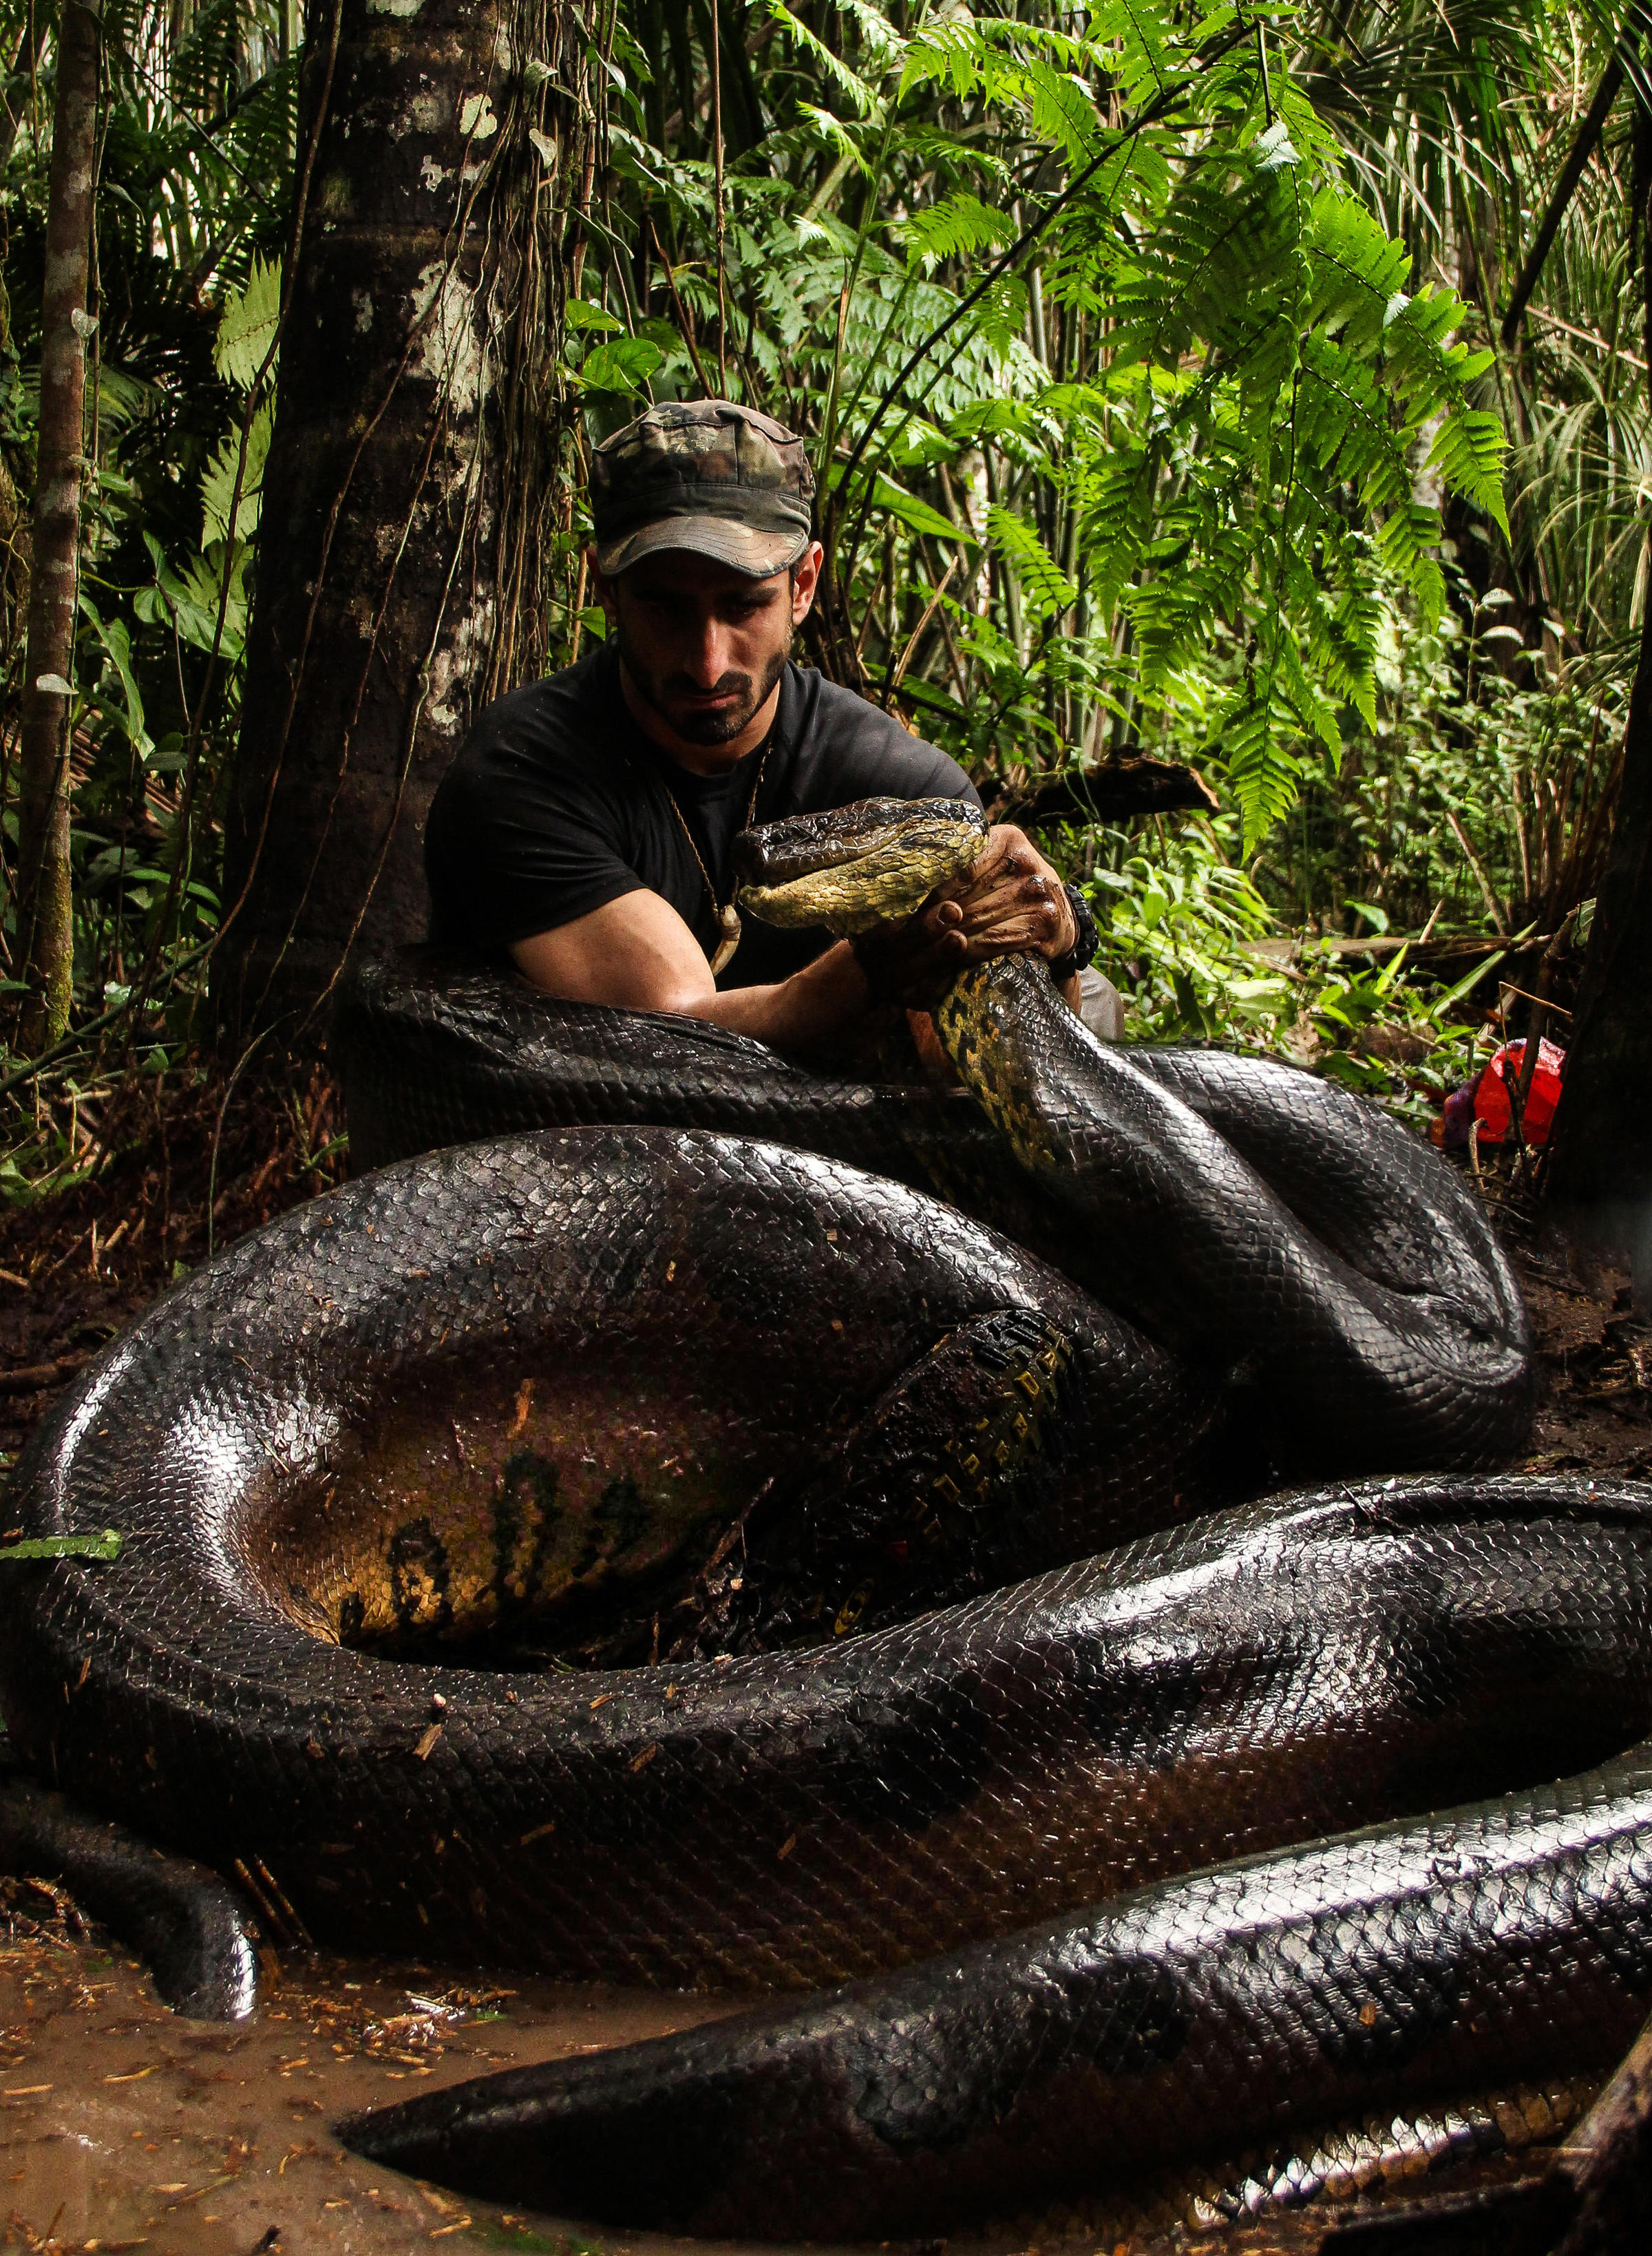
[[721, 727]]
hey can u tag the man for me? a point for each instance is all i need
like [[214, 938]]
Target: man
[[585, 826]]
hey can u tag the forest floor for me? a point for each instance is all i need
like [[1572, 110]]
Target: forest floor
[[181, 1164], [122, 2127]]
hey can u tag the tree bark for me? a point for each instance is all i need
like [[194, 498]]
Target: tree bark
[[46, 930], [1600, 1157], [404, 488], [1599, 1163]]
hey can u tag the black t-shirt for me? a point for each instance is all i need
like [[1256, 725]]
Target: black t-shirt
[[558, 803]]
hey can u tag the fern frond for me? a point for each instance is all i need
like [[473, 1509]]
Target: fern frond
[[218, 482], [950, 51], [849, 83], [885, 43], [1063, 110], [1255, 736], [248, 323], [1403, 541], [1468, 453], [1046, 586], [1146, 33], [960, 224]]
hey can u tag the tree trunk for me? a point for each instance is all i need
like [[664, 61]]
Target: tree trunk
[[46, 930], [14, 517], [404, 493], [1600, 1158]]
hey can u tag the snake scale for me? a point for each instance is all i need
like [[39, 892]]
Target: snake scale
[[1118, 1858]]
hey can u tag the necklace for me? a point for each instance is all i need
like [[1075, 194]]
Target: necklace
[[727, 914]]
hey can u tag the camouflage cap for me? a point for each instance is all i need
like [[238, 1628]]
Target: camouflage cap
[[704, 475]]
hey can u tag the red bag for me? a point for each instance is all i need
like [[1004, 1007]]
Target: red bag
[[1491, 1107]]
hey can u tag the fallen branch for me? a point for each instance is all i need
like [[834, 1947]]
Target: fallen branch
[[1448, 944], [1110, 791], [34, 1375]]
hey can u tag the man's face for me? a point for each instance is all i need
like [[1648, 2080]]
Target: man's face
[[703, 644]]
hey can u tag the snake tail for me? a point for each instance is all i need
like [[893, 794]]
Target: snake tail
[[194, 1934]]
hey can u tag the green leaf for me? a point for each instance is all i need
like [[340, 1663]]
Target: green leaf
[[912, 511], [1271, 150], [218, 481], [188, 600], [1453, 996], [1047, 589], [622, 364], [1468, 453], [107, 1544], [858, 93], [247, 325], [116, 645], [960, 225]]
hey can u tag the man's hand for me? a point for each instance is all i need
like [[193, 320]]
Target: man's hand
[[1011, 902]]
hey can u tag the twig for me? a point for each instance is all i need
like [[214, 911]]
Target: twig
[[899, 673], [34, 1375], [1588, 338], [717, 154], [241, 1063], [1526, 996], [682, 317], [1479, 868]]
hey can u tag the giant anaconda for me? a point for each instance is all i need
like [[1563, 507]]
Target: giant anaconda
[[373, 1462]]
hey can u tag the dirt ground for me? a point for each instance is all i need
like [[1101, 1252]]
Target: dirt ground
[[122, 2127], [183, 1163]]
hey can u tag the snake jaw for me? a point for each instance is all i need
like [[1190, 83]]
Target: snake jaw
[[870, 863]]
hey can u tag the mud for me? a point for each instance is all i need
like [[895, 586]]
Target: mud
[[123, 2127]]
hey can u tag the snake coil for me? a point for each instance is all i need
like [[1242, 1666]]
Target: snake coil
[[685, 1326]]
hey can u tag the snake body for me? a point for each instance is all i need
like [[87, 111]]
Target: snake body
[[376, 1462], [1510, 1936]]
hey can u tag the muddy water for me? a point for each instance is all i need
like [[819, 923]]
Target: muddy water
[[123, 2127]]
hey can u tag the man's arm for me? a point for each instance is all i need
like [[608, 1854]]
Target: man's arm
[[636, 954]]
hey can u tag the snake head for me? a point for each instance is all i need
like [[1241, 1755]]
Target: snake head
[[856, 866]]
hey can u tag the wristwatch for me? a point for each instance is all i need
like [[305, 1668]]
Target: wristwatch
[[1083, 949]]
